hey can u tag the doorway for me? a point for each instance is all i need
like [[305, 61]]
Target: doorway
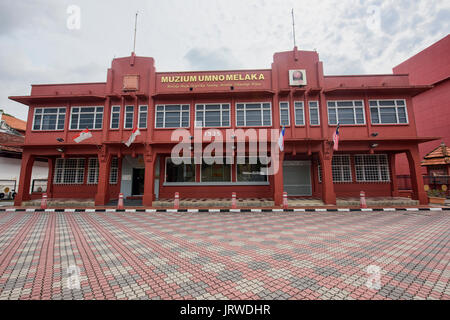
[[297, 178], [137, 187]]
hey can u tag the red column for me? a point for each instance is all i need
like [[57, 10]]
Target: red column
[[278, 186], [394, 183], [328, 194], [416, 176], [104, 164], [51, 171], [149, 159], [26, 170]]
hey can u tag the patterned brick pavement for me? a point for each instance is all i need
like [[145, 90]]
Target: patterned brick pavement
[[266, 255]]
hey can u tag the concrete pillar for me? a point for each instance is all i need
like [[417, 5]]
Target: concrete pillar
[[416, 175], [148, 197], [393, 173], [328, 194], [51, 173], [104, 167], [26, 169], [278, 185]]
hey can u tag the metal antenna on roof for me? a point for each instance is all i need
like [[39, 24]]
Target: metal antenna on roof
[[135, 27], [293, 26]]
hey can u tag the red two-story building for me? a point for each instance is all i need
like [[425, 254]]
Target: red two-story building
[[374, 113]]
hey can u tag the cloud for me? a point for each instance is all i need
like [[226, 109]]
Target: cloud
[[206, 59]]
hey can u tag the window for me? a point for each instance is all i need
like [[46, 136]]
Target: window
[[388, 111], [49, 118], [284, 113], [69, 171], [179, 172], [372, 168], [299, 113], [253, 114], [86, 117], [172, 116], [115, 117], [314, 113], [346, 112], [129, 117], [143, 111], [216, 172], [92, 177], [114, 172], [251, 172], [212, 115], [341, 168]]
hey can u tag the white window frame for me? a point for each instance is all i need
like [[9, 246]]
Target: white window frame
[[125, 112], [318, 112], [111, 118], [141, 111], [58, 115], [288, 113], [114, 171], [303, 113], [221, 109], [79, 171], [96, 112], [181, 115], [336, 107], [396, 106], [245, 114], [93, 171], [341, 167], [378, 156]]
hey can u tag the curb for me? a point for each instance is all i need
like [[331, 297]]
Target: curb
[[220, 210]]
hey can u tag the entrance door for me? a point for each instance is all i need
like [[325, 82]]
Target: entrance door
[[137, 187], [297, 178]]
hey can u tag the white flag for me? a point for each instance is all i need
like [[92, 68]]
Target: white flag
[[83, 135], [133, 136], [281, 140]]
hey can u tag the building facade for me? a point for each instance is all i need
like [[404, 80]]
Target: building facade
[[375, 115], [432, 107]]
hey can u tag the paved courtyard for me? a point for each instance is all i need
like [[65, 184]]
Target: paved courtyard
[[266, 255]]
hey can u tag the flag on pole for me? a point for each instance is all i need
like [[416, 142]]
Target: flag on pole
[[83, 135], [133, 136], [281, 140], [336, 138]]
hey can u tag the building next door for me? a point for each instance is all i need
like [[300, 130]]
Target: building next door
[[297, 178], [137, 188]]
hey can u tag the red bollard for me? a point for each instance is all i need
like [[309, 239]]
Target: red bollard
[[176, 202], [44, 201], [233, 200], [362, 200], [120, 201], [285, 200]]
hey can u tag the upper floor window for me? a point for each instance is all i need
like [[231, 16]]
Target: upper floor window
[[115, 117], [372, 168], [143, 112], [172, 116], [129, 117], [212, 115], [299, 113], [49, 118], [86, 117], [388, 111], [284, 114], [314, 113], [253, 114], [346, 112]]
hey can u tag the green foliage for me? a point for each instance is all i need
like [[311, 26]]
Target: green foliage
[[436, 193]]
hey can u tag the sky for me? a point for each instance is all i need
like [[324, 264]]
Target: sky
[[41, 41]]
